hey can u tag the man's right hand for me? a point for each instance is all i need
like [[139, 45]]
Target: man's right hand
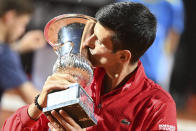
[[57, 81]]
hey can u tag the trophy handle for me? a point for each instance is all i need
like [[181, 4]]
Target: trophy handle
[[54, 25]]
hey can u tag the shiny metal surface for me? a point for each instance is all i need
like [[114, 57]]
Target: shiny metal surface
[[65, 34]]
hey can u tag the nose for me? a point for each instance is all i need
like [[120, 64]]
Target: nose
[[90, 42]]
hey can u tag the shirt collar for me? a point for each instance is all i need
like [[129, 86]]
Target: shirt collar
[[135, 79], [138, 77]]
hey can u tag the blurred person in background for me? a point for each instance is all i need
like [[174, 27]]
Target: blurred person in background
[[183, 80], [14, 16], [158, 60]]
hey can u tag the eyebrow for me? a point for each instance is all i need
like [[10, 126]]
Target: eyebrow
[[94, 32], [96, 36]]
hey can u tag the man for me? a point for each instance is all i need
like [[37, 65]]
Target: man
[[14, 16], [125, 99]]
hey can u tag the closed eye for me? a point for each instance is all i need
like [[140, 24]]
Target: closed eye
[[98, 42]]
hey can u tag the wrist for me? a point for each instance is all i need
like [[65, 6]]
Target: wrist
[[35, 109], [37, 103]]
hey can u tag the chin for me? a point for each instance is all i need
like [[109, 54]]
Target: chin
[[95, 64], [12, 40]]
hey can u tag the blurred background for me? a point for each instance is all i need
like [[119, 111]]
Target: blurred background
[[174, 68]]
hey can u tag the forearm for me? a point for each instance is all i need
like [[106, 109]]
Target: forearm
[[31, 41], [21, 120], [18, 120], [16, 47], [31, 117]]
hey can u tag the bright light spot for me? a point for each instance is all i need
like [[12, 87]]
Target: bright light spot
[[116, 75], [103, 60]]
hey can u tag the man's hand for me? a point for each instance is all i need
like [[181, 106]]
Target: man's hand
[[31, 41], [58, 81], [62, 122]]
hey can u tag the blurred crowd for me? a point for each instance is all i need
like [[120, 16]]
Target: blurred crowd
[[169, 62]]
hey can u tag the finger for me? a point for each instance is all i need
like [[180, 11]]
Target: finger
[[55, 86], [54, 124], [61, 81], [60, 78], [57, 83], [68, 119], [50, 118], [54, 83], [60, 119], [64, 76], [51, 127]]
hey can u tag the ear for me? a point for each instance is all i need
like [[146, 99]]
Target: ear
[[9, 16], [124, 56]]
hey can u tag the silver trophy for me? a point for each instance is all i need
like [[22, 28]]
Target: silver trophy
[[65, 34]]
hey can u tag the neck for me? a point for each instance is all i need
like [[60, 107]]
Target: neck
[[114, 77]]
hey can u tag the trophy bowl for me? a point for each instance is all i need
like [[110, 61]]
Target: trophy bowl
[[66, 33]]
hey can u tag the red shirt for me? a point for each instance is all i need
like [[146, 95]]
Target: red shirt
[[138, 105]]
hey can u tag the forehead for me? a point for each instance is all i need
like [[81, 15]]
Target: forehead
[[23, 17], [104, 35], [103, 32]]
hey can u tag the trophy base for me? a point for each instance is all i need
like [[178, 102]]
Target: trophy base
[[76, 108]]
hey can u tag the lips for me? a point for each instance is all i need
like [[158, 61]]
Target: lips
[[89, 55], [85, 52]]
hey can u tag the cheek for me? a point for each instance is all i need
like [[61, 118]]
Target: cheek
[[103, 60], [15, 32], [11, 36], [99, 50], [107, 59], [20, 30]]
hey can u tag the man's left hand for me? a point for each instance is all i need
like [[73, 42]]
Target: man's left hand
[[64, 122]]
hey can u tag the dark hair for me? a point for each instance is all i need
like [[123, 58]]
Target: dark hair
[[134, 25], [20, 6]]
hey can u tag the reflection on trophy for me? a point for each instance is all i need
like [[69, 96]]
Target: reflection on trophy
[[65, 34]]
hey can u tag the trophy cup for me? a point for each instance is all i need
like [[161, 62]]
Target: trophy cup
[[65, 34]]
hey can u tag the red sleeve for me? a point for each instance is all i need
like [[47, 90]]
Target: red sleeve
[[20, 121], [163, 118]]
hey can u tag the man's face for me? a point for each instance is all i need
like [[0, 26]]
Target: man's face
[[17, 26], [100, 47]]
